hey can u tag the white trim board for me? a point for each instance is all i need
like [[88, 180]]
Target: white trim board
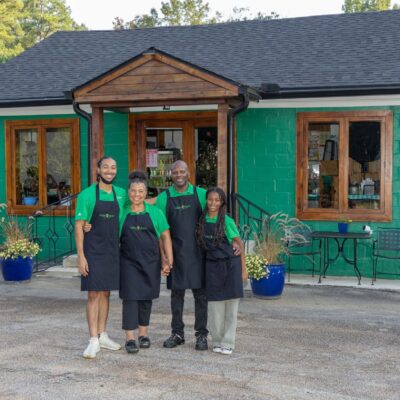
[[342, 101], [313, 102], [67, 109]]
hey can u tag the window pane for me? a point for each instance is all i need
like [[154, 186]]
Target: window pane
[[58, 164], [163, 148], [26, 166], [323, 183], [364, 165], [206, 156]]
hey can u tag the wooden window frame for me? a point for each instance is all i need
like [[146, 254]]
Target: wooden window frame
[[41, 126], [384, 213]]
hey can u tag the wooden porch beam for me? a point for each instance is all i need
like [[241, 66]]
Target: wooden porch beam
[[223, 146], [97, 139]]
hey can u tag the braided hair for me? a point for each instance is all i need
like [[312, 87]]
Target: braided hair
[[220, 224]]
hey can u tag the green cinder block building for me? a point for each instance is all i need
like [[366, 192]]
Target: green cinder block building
[[296, 115]]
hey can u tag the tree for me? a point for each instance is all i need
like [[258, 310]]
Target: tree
[[352, 6], [172, 13], [10, 29], [243, 14], [27, 22], [41, 18]]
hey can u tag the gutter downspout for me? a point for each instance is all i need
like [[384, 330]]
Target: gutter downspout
[[231, 172], [88, 118]]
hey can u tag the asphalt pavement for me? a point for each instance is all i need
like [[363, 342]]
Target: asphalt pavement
[[315, 342]]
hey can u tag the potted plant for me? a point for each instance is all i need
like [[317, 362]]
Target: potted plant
[[17, 249], [266, 268]]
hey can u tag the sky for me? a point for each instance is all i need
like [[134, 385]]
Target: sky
[[97, 14]]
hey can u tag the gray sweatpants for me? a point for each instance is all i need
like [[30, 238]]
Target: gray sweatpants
[[222, 317]]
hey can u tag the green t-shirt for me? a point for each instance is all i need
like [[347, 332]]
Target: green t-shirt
[[87, 200], [157, 218], [161, 201], [231, 231]]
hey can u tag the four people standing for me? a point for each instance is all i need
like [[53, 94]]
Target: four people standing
[[133, 264]]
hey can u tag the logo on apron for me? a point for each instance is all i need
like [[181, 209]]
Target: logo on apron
[[107, 216], [183, 207], [138, 228]]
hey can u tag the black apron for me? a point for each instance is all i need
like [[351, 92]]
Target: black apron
[[183, 213], [101, 246], [140, 259], [223, 268]]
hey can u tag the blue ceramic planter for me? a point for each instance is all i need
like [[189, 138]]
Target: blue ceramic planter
[[272, 286], [19, 269], [343, 227]]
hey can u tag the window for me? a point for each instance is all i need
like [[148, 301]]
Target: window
[[344, 166], [42, 162]]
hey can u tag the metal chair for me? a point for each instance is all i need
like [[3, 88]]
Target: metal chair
[[387, 246], [306, 246]]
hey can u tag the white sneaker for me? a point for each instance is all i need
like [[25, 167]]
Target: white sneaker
[[217, 349], [226, 351], [92, 349], [107, 343]]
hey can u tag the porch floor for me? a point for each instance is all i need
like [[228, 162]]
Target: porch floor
[[345, 281]]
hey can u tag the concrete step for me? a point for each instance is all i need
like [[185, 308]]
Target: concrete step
[[70, 261]]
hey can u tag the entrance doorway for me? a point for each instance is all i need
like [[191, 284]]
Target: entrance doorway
[[156, 142]]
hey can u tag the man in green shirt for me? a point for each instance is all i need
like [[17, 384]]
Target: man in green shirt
[[183, 204], [98, 251]]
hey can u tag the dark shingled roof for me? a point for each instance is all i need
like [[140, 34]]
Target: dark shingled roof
[[299, 54]]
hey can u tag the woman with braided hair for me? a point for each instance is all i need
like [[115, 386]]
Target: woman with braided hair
[[225, 272]]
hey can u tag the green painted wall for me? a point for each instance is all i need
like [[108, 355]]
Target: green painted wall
[[266, 143]]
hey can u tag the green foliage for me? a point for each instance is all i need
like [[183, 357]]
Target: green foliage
[[352, 6], [26, 22], [10, 29], [186, 12], [243, 14]]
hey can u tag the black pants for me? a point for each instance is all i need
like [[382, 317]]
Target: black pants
[[135, 313], [200, 311]]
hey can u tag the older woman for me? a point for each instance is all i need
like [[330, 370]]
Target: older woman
[[145, 254]]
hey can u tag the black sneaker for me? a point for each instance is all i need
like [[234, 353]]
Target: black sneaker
[[131, 347], [201, 343], [173, 341], [144, 342]]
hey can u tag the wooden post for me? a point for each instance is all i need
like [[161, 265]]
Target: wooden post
[[223, 146], [97, 139]]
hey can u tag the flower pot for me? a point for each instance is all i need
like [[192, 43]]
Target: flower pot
[[343, 227], [18, 269], [270, 287], [29, 201]]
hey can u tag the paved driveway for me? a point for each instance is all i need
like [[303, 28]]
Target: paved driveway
[[314, 343]]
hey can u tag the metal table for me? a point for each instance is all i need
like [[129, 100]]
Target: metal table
[[340, 240]]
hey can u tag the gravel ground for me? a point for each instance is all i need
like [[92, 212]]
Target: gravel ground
[[313, 343]]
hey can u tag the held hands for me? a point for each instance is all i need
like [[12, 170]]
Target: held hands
[[83, 266], [165, 269]]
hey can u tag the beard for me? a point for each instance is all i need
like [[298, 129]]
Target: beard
[[107, 182]]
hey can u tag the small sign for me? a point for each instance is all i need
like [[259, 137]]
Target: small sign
[[152, 158]]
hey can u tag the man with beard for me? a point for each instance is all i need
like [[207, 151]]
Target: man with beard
[[98, 250]]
